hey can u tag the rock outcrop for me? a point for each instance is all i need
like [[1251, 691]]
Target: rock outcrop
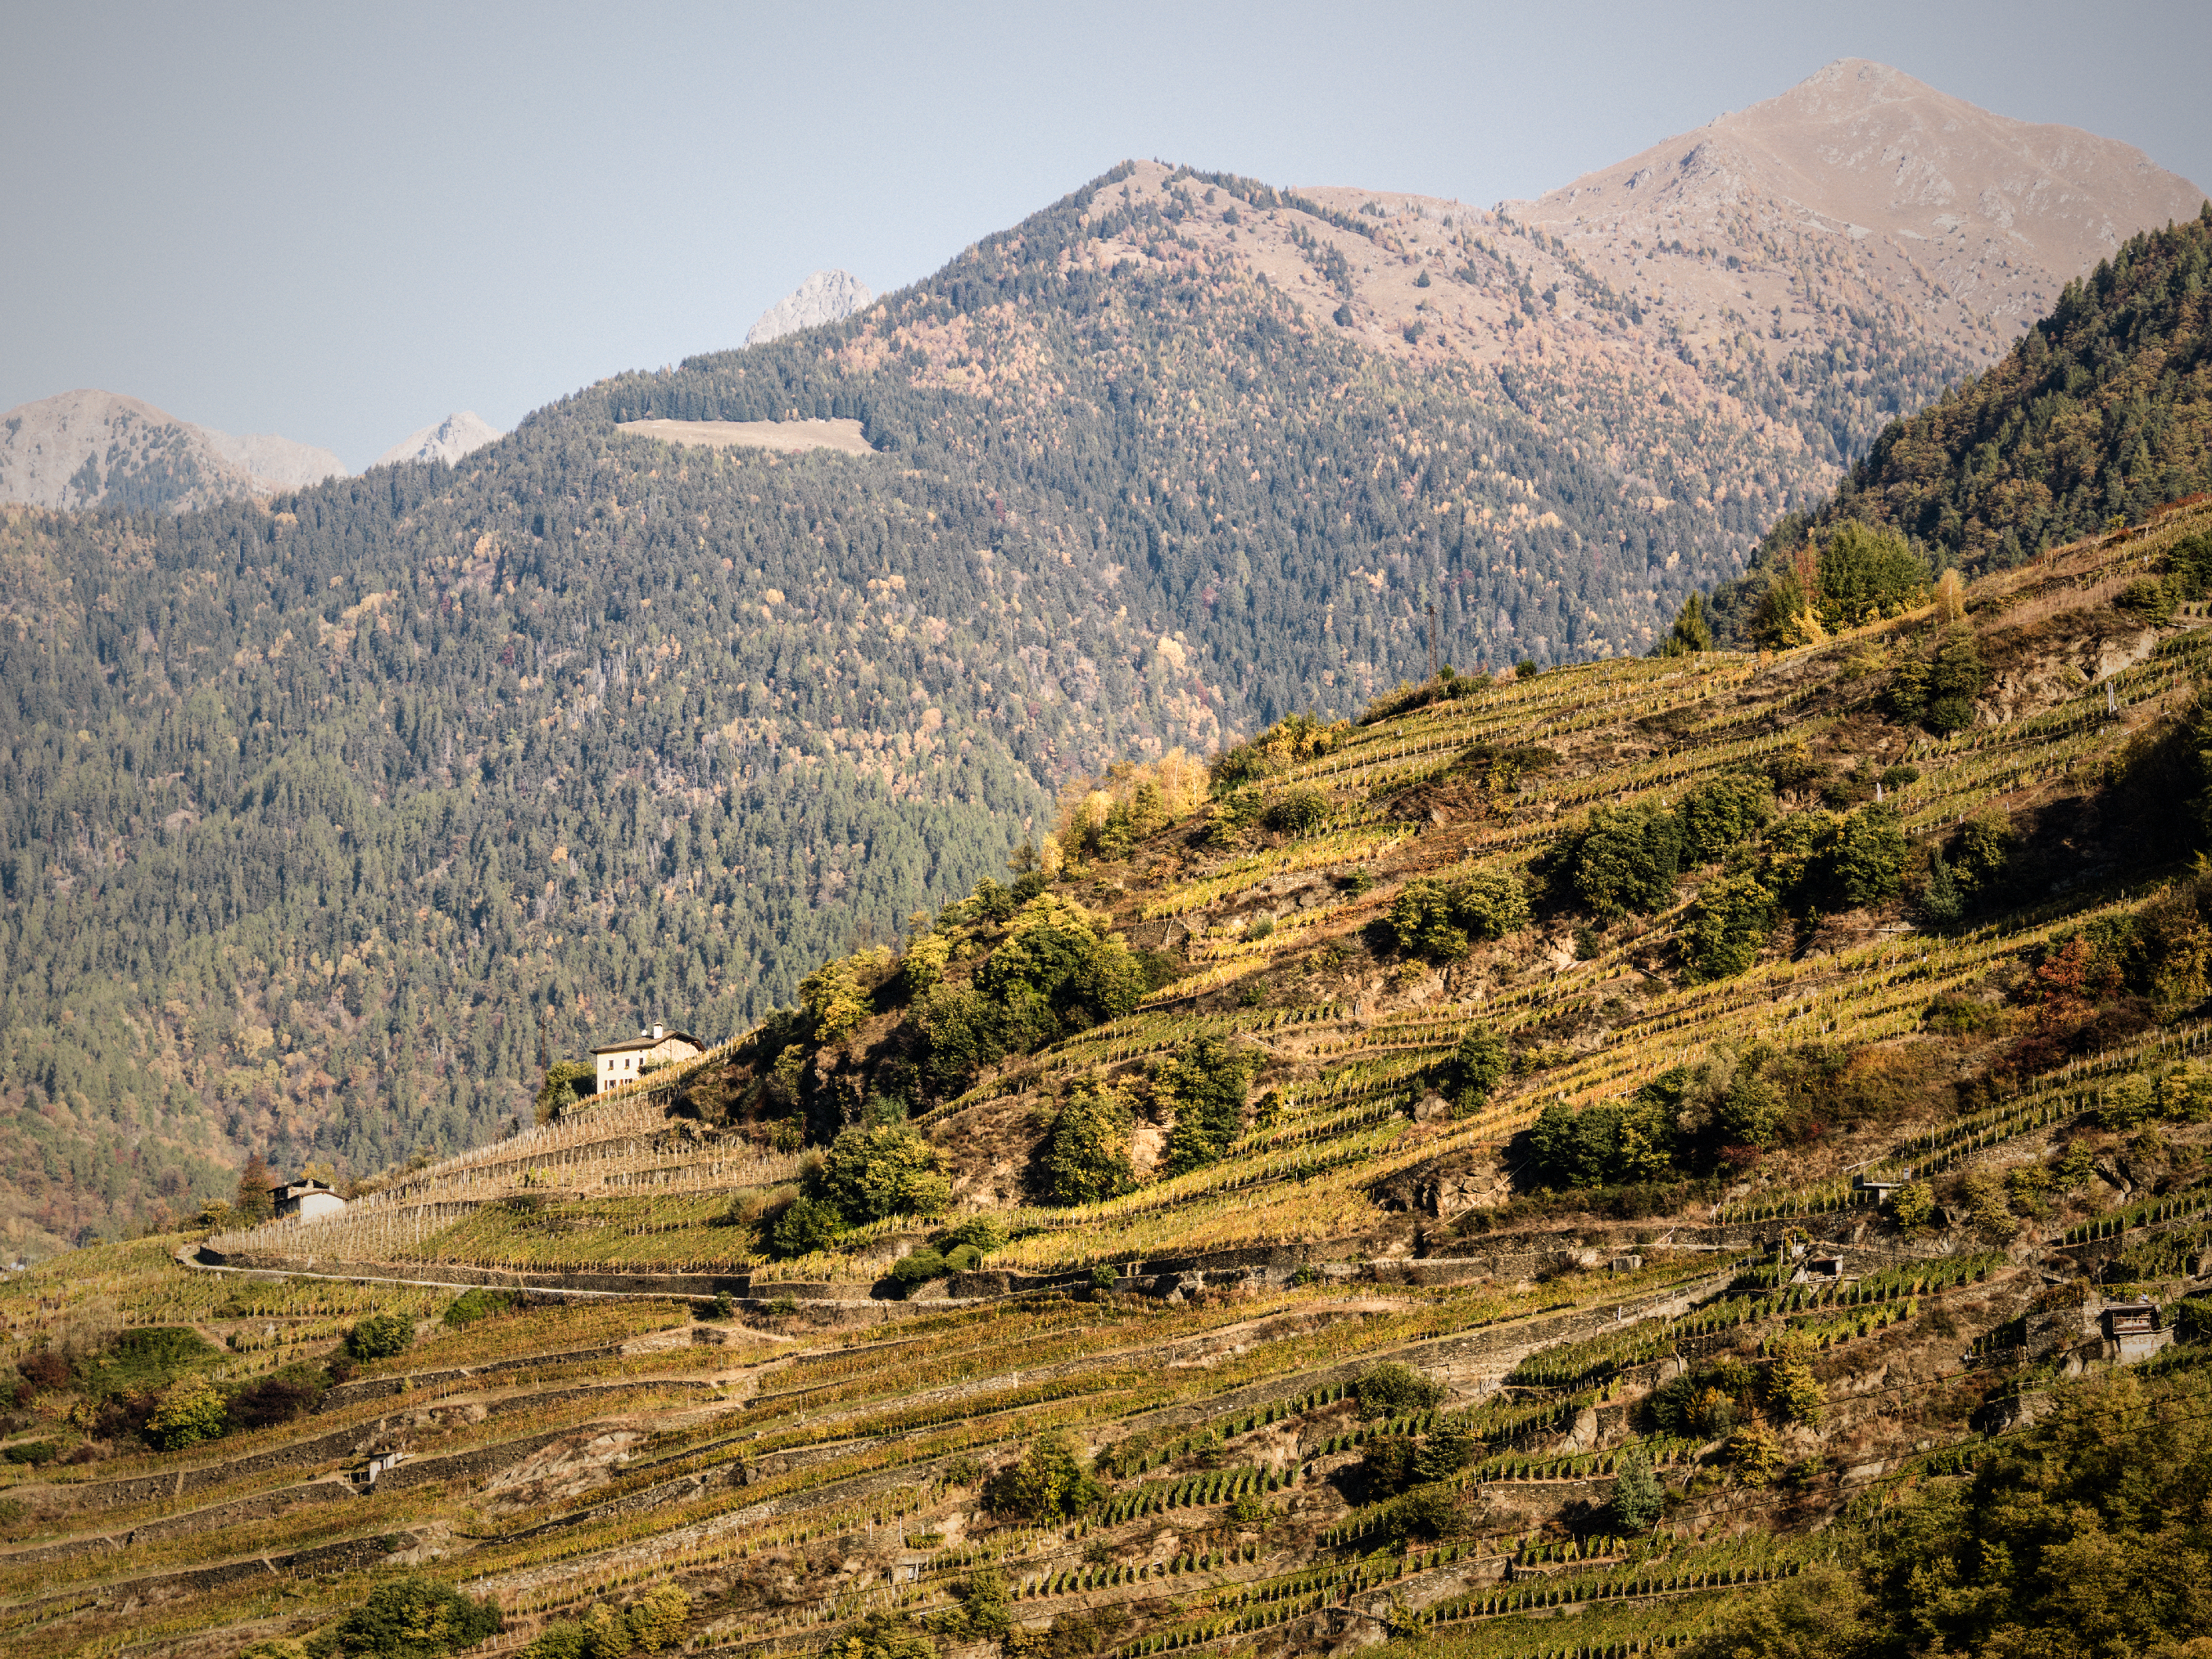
[[447, 440], [824, 297]]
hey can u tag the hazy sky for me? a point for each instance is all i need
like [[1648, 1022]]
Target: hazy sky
[[340, 224]]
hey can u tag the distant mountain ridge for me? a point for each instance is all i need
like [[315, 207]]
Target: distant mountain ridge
[[1974, 222], [89, 448], [446, 440]]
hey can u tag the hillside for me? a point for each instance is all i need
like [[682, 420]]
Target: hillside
[[2100, 413], [328, 819], [1670, 1144], [89, 449], [593, 729]]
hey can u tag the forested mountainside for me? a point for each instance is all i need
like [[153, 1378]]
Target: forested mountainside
[[1687, 1154], [2100, 413], [327, 818]]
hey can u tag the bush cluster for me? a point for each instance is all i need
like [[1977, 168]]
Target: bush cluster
[[1055, 972], [1441, 919]]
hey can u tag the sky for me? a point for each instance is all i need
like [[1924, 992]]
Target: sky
[[342, 224]]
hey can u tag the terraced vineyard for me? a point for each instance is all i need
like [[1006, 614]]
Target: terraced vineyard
[[1380, 1362]]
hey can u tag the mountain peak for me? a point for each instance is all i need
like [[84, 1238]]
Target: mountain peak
[[89, 448], [826, 296], [1862, 180], [446, 440]]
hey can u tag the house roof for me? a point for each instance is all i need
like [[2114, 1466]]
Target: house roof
[[650, 1042]]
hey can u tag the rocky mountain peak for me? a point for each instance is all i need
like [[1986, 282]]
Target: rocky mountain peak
[[824, 297], [446, 440]]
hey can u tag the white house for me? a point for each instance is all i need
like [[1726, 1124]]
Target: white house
[[618, 1063], [307, 1199]]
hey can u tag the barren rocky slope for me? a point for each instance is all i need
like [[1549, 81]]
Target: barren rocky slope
[[90, 449]]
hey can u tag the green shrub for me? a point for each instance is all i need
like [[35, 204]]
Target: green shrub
[[806, 1225], [29, 1451], [1297, 811], [558, 1092], [1208, 1082], [1955, 679], [1914, 1206], [1690, 634], [1441, 919], [2128, 1103], [141, 1359], [1638, 1499], [1427, 1512], [1867, 571], [1050, 1483], [1720, 816], [1757, 1456], [2148, 598], [836, 995], [1085, 1155], [1729, 921], [380, 1336], [656, 1619], [962, 1258], [1393, 1388], [1865, 860], [1941, 900], [1055, 972], [482, 1303], [982, 1609], [414, 1617], [918, 1268], [981, 1233], [1791, 853], [1791, 1387], [1624, 858], [875, 1172], [1601, 1145], [1475, 1068], [1981, 856]]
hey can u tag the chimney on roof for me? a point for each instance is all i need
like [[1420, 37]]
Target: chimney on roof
[[656, 1033]]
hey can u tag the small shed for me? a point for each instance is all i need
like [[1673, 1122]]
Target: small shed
[[1883, 1187], [2132, 1331], [308, 1200], [2129, 1319], [1822, 1270]]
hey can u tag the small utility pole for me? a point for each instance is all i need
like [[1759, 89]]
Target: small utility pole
[[1434, 670]]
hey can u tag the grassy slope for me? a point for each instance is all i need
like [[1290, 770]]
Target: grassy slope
[[827, 1458]]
